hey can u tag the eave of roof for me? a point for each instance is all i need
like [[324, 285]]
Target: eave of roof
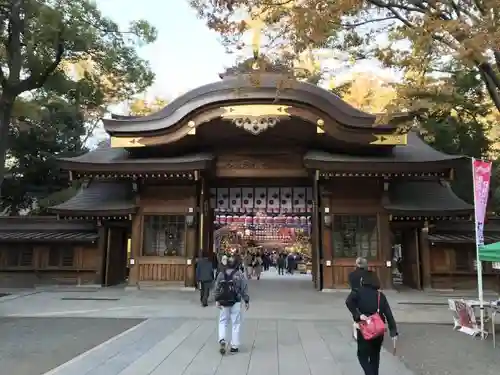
[[462, 238], [50, 236], [43, 223], [228, 91], [415, 156], [467, 227], [99, 199], [428, 198], [107, 159]]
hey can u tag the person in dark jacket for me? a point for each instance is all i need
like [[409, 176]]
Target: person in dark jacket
[[362, 303], [204, 277], [290, 261], [355, 276]]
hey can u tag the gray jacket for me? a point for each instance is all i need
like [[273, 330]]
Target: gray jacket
[[239, 281], [204, 270]]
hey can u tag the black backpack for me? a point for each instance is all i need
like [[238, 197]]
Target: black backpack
[[227, 294]]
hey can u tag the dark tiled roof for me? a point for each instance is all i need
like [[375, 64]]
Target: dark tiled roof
[[43, 223], [465, 227], [47, 236], [415, 152], [45, 229], [227, 91], [431, 198], [120, 160], [100, 199], [462, 238]]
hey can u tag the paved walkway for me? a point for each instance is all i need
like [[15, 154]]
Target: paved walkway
[[290, 329], [189, 347], [273, 297]]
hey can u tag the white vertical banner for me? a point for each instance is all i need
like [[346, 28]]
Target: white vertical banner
[[481, 174]]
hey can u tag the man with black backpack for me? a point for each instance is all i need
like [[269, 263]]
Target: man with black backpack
[[231, 289]]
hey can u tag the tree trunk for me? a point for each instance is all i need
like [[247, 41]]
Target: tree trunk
[[6, 107], [491, 81]]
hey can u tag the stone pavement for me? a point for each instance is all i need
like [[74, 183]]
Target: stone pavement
[[290, 329], [189, 347], [273, 297], [32, 346]]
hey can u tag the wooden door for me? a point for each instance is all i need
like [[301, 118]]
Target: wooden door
[[116, 256], [411, 259]]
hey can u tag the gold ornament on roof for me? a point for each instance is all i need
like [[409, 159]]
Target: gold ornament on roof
[[255, 118], [305, 64]]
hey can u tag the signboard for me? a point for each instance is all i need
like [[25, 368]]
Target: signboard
[[481, 174]]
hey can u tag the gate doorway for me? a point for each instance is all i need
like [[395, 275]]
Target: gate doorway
[[116, 256], [406, 265], [268, 226]]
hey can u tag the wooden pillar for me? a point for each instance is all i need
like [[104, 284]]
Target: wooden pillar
[[385, 243], [327, 267], [191, 253], [385, 250], [425, 256], [101, 246], [201, 199], [204, 216], [316, 238], [207, 217], [136, 249]]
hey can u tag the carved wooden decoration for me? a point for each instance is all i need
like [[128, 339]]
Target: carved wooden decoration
[[255, 125], [243, 164], [255, 118], [267, 165]]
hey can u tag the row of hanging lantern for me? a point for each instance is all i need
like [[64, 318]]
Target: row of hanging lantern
[[262, 220]]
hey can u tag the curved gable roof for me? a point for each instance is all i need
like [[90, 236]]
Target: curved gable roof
[[234, 89]]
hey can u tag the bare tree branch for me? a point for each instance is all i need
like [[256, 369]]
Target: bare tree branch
[[492, 89], [361, 23], [36, 81], [479, 6], [90, 130], [13, 45], [3, 19], [488, 69]]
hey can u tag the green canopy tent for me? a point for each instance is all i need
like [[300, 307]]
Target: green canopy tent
[[490, 253]]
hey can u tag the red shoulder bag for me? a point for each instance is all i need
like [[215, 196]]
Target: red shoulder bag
[[373, 327]]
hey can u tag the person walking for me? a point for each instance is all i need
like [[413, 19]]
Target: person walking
[[248, 265], [230, 292], [365, 304], [281, 263], [290, 263], [204, 277], [257, 265], [354, 278], [222, 264]]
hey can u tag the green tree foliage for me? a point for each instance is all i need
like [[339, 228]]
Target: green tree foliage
[[458, 120], [56, 129], [68, 48]]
